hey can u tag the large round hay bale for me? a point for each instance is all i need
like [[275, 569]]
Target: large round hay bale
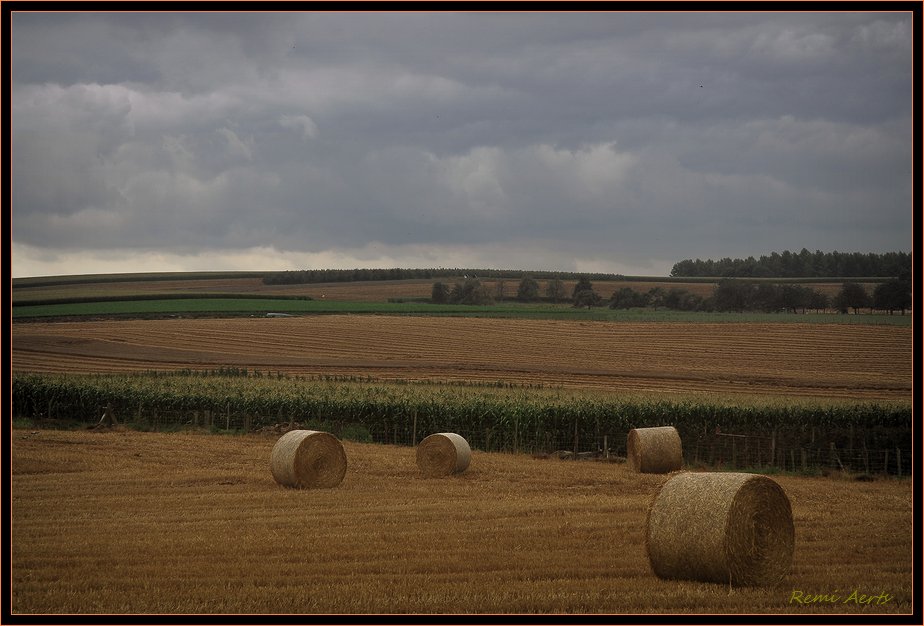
[[308, 458], [442, 454], [731, 528], [654, 450]]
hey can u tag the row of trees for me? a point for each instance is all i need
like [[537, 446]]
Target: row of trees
[[729, 295], [736, 295], [787, 264], [297, 277], [472, 291], [803, 264]]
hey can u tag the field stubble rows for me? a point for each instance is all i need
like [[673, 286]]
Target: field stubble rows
[[129, 522], [820, 361]]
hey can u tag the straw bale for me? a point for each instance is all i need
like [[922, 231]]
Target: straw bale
[[307, 459], [442, 454], [654, 450], [732, 528]]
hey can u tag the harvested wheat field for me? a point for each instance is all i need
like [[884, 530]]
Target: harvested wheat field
[[128, 522], [812, 360]]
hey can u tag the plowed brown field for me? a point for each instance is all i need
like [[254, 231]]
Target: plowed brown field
[[830, 360]]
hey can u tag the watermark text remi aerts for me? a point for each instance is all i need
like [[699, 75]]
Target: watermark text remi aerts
[[801, 597]]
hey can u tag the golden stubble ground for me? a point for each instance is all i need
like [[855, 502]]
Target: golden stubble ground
[[129, 522]]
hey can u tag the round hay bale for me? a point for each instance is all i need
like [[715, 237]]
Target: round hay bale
[[731, 528], [308, 458], [654, 450], [442, 454]]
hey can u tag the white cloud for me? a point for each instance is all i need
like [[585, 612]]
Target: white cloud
[[32, 261], [301, 123], [236, 147], [794, 44], [885, 34], [593, 171], [474, 181], [535, 140]]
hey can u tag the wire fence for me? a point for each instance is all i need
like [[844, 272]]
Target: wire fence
[[879, 451]]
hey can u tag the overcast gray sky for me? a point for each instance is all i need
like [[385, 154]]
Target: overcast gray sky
[[601, 141]]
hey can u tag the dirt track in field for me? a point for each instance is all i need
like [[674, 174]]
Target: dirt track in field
[[835, 361]]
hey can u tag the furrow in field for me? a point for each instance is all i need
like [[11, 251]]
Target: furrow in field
[[784, 358]]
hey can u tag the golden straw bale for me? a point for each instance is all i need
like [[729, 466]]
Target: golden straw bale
[[654, 450], [308, 458], [732, 528], [442, 454]]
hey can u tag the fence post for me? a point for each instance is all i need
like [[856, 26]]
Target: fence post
[[773, 447], [835, 457], [516, 432], [414, 435], [606, 448]]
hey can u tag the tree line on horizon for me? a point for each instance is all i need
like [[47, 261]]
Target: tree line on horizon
[[295, 277], [803, 264], [787, 264], [729, 295]]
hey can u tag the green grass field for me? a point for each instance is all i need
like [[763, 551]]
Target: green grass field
[[262, 306], [199, 294]]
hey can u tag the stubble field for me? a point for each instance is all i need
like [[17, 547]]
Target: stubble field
[[807, 360], [128, 522]]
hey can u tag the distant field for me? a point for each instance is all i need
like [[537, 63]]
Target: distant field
[[125, 522], [815, 360], [359, 291], [235, 307], [245, 294], [26, 290]]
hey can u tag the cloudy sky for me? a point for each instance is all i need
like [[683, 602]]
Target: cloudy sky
[[600, 141]]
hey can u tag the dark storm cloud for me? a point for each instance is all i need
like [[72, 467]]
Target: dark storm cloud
[[604, 140]]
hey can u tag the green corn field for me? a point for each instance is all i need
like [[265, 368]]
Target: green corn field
[[501, 417]]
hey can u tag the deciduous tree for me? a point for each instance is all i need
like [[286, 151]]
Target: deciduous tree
[[555, 290], [528, 290], [439, 294], [851, 296]]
